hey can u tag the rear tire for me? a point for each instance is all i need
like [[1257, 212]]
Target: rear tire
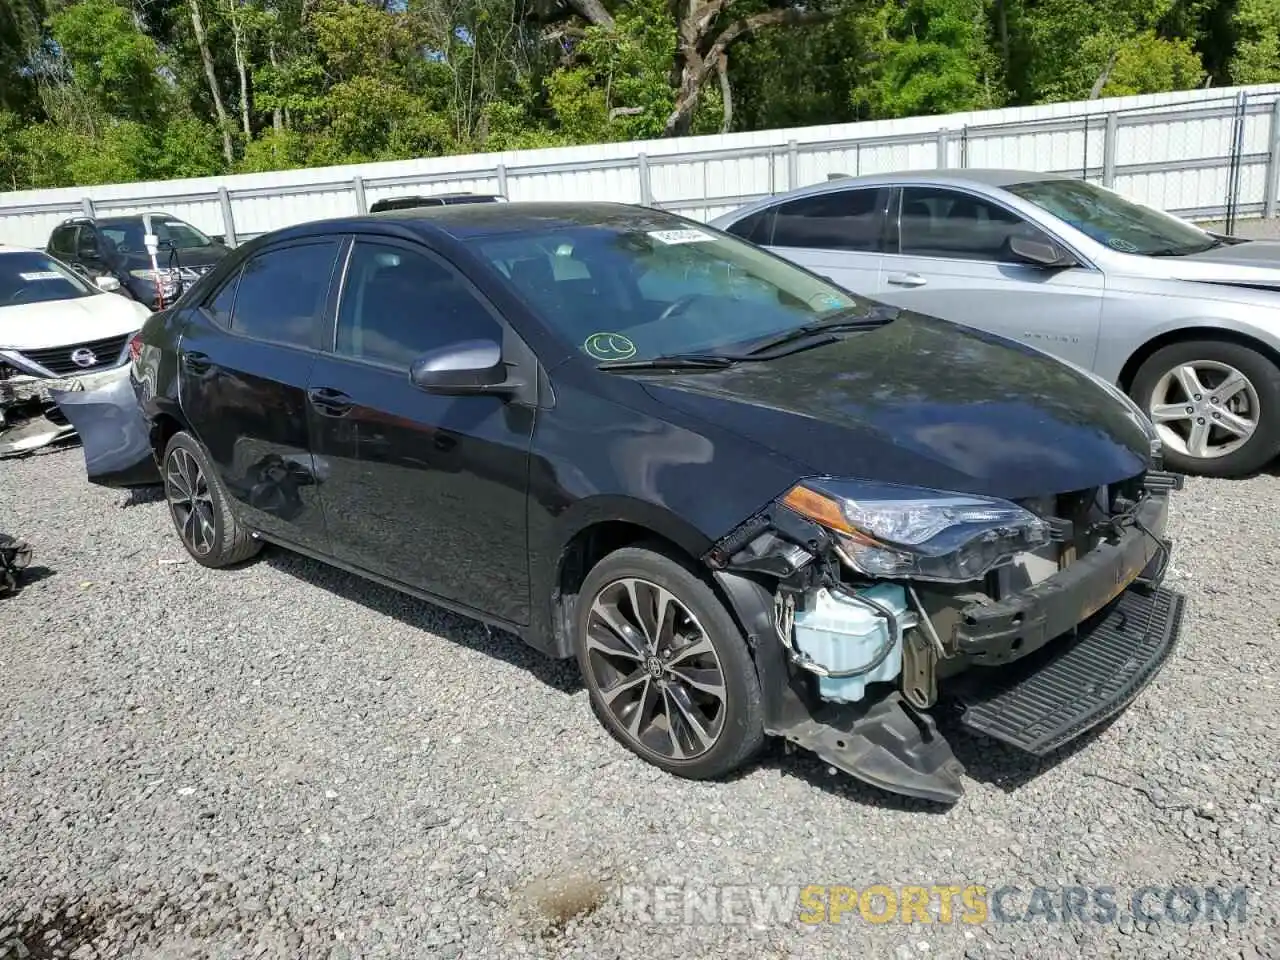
[[1202, 396], [199, 506], [682, 694]]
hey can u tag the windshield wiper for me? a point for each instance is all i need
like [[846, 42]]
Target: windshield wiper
[[842, 322], [674, 361], [1184, 252]]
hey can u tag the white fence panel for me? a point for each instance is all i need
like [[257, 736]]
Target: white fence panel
[[1173, 150]]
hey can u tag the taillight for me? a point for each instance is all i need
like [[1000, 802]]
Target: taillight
[[135, 347]]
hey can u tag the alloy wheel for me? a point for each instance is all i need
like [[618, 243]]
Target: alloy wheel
[[1204, 409], [190, 501], [656, 669]]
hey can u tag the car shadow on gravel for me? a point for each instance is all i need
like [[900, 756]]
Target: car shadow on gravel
[[561, 675], [1000, 765], [141, 496], [985, 760]]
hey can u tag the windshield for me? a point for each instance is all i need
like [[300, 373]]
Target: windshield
[[1112, 220], [36, 278], [638, 288], [127, 235]]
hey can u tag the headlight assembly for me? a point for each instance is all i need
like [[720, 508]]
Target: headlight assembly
[[892, 531]]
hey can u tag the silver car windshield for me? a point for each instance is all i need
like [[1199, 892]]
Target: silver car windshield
[[1112, 220], [635, 290]]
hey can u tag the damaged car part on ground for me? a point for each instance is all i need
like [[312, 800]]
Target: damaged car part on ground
[[753, 505], [58, 332], [15, 557]]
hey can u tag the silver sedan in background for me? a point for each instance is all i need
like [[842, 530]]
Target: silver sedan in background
[[1185, 321]]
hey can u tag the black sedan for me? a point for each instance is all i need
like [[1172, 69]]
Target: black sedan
[[748, 502]]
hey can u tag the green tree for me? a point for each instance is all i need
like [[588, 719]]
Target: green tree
[[1257, 53]]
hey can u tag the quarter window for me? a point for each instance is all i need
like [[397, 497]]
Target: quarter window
[[282, 292], [398, 305], [220, 306], [946, 223], [755, 227], [841, 220]]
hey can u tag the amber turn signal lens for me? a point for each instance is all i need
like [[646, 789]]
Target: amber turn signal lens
[[817, 508]]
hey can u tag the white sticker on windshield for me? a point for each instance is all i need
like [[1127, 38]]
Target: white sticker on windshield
[[41, 275], [680, 236]]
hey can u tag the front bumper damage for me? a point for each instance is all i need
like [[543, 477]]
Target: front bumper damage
[[1034, 669], [30, 416], [114, 434]]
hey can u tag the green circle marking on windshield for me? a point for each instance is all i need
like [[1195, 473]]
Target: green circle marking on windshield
[[1124, 246], [609, 346], [829, 301]]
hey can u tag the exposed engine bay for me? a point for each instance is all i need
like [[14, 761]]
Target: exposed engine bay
[[1039, 619]]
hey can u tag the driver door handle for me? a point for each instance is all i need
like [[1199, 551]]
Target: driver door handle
[[197, 363], [329, 402], [906, 280]]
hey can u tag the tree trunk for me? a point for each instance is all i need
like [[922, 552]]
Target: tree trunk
[[277, 115], [1002, 15], [726, 92], [237, 40], [593, 11], [1104, 76], [202, 41], [698, 53]]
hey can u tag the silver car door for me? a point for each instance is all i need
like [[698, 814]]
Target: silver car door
[[838, 234], [948, 255]]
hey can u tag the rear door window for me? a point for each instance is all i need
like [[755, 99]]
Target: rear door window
[[282, 293], [841, 220]]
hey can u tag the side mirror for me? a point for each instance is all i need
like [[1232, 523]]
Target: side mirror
[[467, 367], [1039, 252], [109, 284]]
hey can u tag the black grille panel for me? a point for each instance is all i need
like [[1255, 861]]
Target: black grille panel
[[1075, 684], [58, 359]]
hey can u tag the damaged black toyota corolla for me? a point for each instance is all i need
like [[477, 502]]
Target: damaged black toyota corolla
[[749, 503]]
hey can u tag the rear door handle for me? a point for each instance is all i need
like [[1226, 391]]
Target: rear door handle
[[906, 280], [197, 363], [329, 402]]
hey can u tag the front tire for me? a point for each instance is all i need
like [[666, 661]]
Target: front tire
[[666, 667], [1215, 404], [199, 506]]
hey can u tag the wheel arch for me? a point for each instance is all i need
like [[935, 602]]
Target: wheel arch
[[1200, 330], [596, 528]]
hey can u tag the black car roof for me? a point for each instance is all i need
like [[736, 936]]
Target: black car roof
[[467, 221]]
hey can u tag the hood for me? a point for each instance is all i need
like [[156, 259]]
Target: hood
[[193, 262], [924, 402], [61, 323], [1254, 263], [1251, 253]]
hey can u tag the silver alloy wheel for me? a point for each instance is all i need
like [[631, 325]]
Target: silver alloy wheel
[[190, 501], [1204, 409], [656, 669]]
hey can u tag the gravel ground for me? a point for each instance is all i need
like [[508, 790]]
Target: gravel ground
[[284, 761]]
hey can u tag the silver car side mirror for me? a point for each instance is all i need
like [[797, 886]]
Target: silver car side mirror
[[109, 284]]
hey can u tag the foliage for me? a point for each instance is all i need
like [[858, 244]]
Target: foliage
[[95, 91]]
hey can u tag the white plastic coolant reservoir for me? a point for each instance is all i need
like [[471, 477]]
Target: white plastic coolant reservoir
[[842, 634]]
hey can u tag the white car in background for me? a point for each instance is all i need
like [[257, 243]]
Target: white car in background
[[58, 331]]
